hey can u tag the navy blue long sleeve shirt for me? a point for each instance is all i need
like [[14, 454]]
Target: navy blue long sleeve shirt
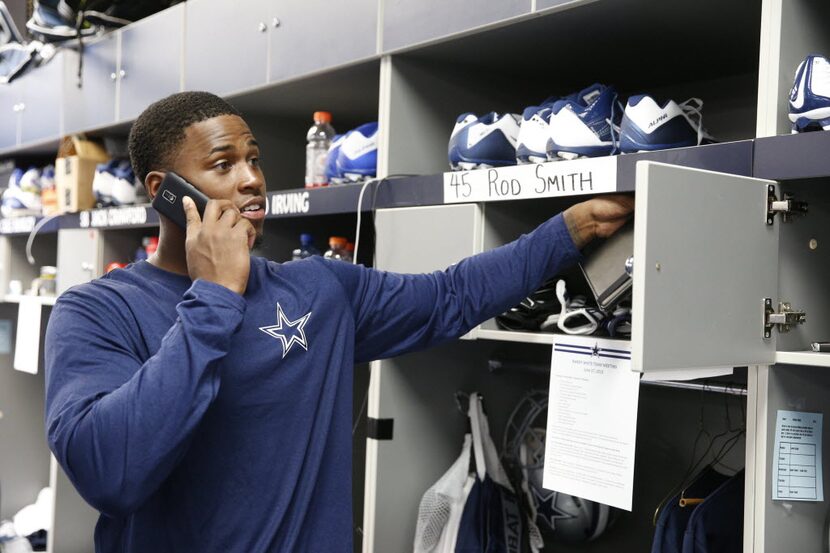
[[196, 419]]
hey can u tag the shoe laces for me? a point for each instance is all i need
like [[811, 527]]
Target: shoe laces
[[616, 107], [692, 110]]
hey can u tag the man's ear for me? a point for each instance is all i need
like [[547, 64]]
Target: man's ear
[[152, 183]]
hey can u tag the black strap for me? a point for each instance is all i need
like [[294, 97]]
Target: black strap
[[379, 429]]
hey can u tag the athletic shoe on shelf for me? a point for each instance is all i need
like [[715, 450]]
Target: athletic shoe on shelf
[[810, 95], [533, 135], [332, 174], [484, 142], [55, 21], [125, 188], [103, 183], [587, 126], [647, 126], [358, 156], [22, 197]]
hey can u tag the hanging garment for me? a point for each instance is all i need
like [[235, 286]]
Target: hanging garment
[[673, 519], [717, 525]]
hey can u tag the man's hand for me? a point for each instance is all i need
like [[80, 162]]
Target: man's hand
[[218, 246], [597, 218]]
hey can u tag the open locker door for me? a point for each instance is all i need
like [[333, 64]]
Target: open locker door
[[704, 260]]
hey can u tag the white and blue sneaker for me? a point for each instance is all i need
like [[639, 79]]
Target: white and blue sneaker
[[533, 135], [333, 176], [126, 190], [587, 126], [22, 197], [358, 156], [810, 95], [484, 142], [103, 183], [647, 126]]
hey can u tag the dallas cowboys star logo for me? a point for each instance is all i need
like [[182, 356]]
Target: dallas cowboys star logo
[[547, 509], [595, 350], [288, 332]]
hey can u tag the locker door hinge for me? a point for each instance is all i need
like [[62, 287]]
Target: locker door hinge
[[784, 319], [787, 207]]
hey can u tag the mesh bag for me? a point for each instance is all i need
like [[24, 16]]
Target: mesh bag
[[439, 513]]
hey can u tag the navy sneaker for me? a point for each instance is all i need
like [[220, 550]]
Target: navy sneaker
[[587, 126], [483, 142], [810, 95], [358, 155], [533, 135], [647, 126]]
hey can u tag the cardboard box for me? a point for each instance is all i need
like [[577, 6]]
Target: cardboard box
[[74, 171]]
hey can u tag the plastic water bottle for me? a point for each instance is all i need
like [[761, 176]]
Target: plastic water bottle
[[306, 248], [337, 248], [319, 139]]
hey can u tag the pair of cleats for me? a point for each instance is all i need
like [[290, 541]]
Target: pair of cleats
[[22, 198], [589, 123], [809, 100], [353, 156], [115, 184]]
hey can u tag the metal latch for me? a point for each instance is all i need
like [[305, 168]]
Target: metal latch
[[787, 206], [785, 318]]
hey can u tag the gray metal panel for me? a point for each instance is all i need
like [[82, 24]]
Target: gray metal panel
[[24, 457], [9, 118], [79, 257], [803, 271], [75, 520], [704, 259], [793, 156], [151, 52], [319, 34], [41, 115], [225, 51], [424, 239], [732, 157], [408, 22], [92, 105], [795, 522]]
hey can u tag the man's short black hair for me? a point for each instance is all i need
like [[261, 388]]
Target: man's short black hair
[[159, 130]]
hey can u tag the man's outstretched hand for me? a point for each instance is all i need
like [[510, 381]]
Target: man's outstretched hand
[[598, 217]]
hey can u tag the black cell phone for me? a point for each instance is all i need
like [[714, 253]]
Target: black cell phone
[[168, 200]]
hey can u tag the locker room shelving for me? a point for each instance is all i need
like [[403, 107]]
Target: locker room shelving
[[432, 61]]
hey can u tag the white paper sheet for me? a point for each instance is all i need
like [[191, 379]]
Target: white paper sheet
[[686, 374], [592, 420], [797, 466], [27, 344]]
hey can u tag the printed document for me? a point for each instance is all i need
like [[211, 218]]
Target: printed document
[[592, 420]]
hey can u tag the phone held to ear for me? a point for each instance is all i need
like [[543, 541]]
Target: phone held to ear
[[168, 200]]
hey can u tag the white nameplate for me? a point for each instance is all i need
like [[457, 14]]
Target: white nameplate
[[522, 182]]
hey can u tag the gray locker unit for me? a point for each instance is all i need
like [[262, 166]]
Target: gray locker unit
[[151, 52], [226, 48], [40, 116], [89, 101], [409, 22], [10, 112], [309, 37]]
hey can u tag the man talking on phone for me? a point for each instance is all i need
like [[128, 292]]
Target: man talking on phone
[[202, 400]]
